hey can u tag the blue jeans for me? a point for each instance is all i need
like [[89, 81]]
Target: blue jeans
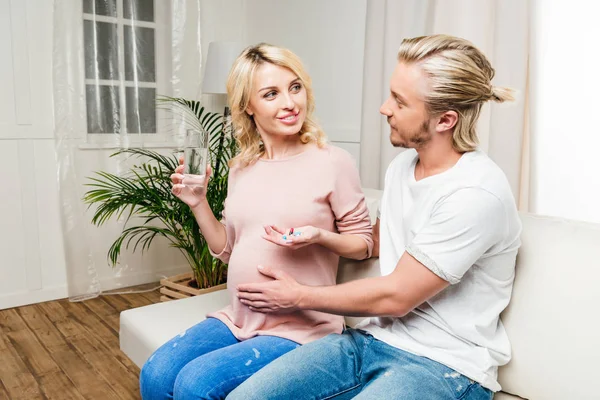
[[354, 365], [207, 362]]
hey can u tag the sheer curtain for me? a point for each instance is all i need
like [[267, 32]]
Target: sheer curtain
[[111, 58], [500, 28]]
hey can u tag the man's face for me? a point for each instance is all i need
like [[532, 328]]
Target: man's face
[[405, 107]]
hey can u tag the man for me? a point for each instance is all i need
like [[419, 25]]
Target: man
[[448, 239]]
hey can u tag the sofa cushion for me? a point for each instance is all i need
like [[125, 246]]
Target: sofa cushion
[[506, 396], [145, 329], [552, 320]]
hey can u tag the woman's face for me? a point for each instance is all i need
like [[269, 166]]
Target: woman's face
[[277, 101]]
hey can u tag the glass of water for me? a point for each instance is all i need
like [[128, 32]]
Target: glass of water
[[195, 157]]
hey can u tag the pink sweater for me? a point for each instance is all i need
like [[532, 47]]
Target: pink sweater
[[318, 187]]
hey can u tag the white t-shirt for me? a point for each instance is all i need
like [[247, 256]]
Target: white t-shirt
[[463, 225]]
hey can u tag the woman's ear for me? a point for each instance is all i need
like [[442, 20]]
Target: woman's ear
[[249, 111], [447, 121]]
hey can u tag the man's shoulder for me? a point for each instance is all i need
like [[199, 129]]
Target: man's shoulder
[[477, 170], [481, 187]]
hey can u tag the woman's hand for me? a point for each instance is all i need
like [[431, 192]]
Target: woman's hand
[[293, 238], [190, 195]]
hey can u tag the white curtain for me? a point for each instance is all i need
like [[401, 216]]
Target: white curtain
[[111, 59], [500, 28]]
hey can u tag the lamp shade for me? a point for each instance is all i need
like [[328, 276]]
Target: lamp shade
[[219, 60]]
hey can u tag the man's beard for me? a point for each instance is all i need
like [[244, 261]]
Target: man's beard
[[412, 140]]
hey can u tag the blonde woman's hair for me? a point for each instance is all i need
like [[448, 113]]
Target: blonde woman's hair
[[459, 77], [239, 88]]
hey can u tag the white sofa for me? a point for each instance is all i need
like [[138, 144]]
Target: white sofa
[[552, 320]]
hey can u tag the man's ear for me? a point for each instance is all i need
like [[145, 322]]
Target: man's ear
[[447, 121]]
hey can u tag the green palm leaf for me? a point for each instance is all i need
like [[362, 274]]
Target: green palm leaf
[[144, 191]]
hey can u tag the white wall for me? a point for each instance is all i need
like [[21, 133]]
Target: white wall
[[329, 37], [565, 139], [32, 262]]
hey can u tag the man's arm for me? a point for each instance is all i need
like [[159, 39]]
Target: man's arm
[[462, 228], [395, 295]]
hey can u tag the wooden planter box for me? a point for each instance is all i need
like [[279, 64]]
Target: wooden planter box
[[176, 287]]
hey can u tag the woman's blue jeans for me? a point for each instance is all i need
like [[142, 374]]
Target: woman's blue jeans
[[207, 362]]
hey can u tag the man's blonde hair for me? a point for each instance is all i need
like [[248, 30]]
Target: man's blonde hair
[[459, 79], [239, 89]]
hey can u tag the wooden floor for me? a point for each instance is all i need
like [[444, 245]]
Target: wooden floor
[[63, 350]]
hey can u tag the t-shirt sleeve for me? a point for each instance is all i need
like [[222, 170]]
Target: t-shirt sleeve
[[461, 229], [348, 201]]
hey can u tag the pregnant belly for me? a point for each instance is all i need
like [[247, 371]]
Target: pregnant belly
[[311, 265]]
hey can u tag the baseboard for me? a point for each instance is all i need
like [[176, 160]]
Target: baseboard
[[31, 297], [24, 298], [140, 278]]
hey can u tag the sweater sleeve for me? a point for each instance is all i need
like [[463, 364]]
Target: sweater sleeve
[[347, 199]]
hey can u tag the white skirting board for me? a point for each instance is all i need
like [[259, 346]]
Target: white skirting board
[[25, 297]]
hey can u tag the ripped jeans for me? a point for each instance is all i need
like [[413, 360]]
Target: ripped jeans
[[207, 362], [354, 365]]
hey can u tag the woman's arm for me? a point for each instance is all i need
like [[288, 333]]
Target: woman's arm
[[212, 229], [349, 246], [353, 238], [348, 204], [346, 245]]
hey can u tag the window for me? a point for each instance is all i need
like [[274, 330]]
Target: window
[[565, 140], [122, 77]]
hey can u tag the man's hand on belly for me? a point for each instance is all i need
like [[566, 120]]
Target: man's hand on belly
[[282, 294]]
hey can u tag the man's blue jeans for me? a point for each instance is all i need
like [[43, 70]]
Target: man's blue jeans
[[354, 365], [207, 362]]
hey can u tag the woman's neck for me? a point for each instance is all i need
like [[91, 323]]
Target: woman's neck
[[280, 147]]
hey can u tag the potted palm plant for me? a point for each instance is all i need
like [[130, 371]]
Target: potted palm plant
[[145, 191]]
